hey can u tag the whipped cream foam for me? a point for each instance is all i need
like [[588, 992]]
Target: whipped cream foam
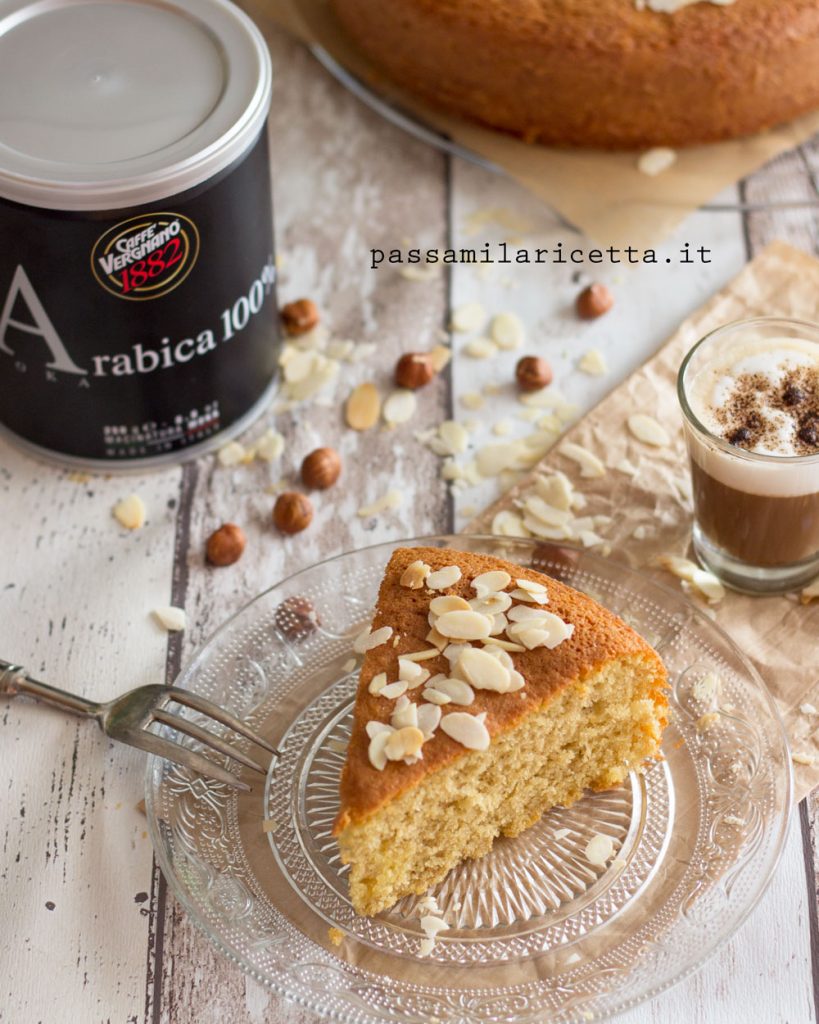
[[762, 397]]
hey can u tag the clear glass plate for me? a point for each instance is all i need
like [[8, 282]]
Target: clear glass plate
[[537, 932]]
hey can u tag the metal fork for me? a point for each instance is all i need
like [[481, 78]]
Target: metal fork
[[127, 718]]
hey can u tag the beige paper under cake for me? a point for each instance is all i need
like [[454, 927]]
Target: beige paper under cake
[[778, 634], [603, 194]]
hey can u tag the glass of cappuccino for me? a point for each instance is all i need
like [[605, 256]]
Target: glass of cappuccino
[[749, 393]]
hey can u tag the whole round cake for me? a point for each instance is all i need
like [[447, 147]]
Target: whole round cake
[[608, 73]]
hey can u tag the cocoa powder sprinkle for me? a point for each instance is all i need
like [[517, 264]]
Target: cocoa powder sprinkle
[[745, 417]]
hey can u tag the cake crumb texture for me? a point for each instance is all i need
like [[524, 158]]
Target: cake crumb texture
[[592, 709]]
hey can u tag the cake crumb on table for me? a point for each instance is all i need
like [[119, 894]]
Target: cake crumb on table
[[335, 935]]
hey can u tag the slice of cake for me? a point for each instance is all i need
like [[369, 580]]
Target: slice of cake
[[488, 694]]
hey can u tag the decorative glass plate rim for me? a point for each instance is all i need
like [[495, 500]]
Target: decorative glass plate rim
[[413, 125], [154, 765]]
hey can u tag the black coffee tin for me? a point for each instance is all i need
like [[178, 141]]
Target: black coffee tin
[[142, 333]]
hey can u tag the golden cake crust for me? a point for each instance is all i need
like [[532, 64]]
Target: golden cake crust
[[599, 72], [599, 636]]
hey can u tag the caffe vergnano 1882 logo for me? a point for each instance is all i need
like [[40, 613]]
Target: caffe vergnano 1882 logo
[[145, 256]]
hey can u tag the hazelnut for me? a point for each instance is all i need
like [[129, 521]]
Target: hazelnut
[[225, 545], [321, 468], [533, 373], [300, 316], [414, 370], [292, 512], [593, 302], [296, 617]]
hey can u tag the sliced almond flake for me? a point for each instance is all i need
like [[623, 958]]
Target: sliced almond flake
[[491, 582], [377, 683], [436, 696], [269, 825], [624, 466], [269, 446], [429, 717], [425, 947], [492, 604], [414, 575], [526, 613], [363, 407], [655, 161], [469, 317], [803, 759], [399, 407], [810, 593], [410, 671], [368, 639], [529, 597], [599, 850], [449, 603], [549, 422], [443, 578], [492, 459], [393, 690], [706, 721], [434, 637], [464, 625], [349, 665], [593, 363], [508, 524], [171, 619], [808, 709], [532, 587], [130, 512], [468, 730], [481, 348], [648, 430], [374, 728], [546, 513], [704, 582], [541, 441], [501, 428], [458, 691], [439, 357], [376, 751], [404, 743], [430, 925], [590, 539], [536, 526], [555, 490], [507, 645], [472, 400], [483, 671], [548, 632], [392, 499], [561, 834], [507, 331], [590, 465], [431, 652], [453, 436]]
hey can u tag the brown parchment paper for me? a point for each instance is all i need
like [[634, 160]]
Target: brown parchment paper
[[778, 634], [602, 194]]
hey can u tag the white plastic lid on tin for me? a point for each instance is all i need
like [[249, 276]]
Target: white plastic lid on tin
[[112, 103]]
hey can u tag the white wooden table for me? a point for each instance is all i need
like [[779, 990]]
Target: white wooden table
[[88, 930]]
